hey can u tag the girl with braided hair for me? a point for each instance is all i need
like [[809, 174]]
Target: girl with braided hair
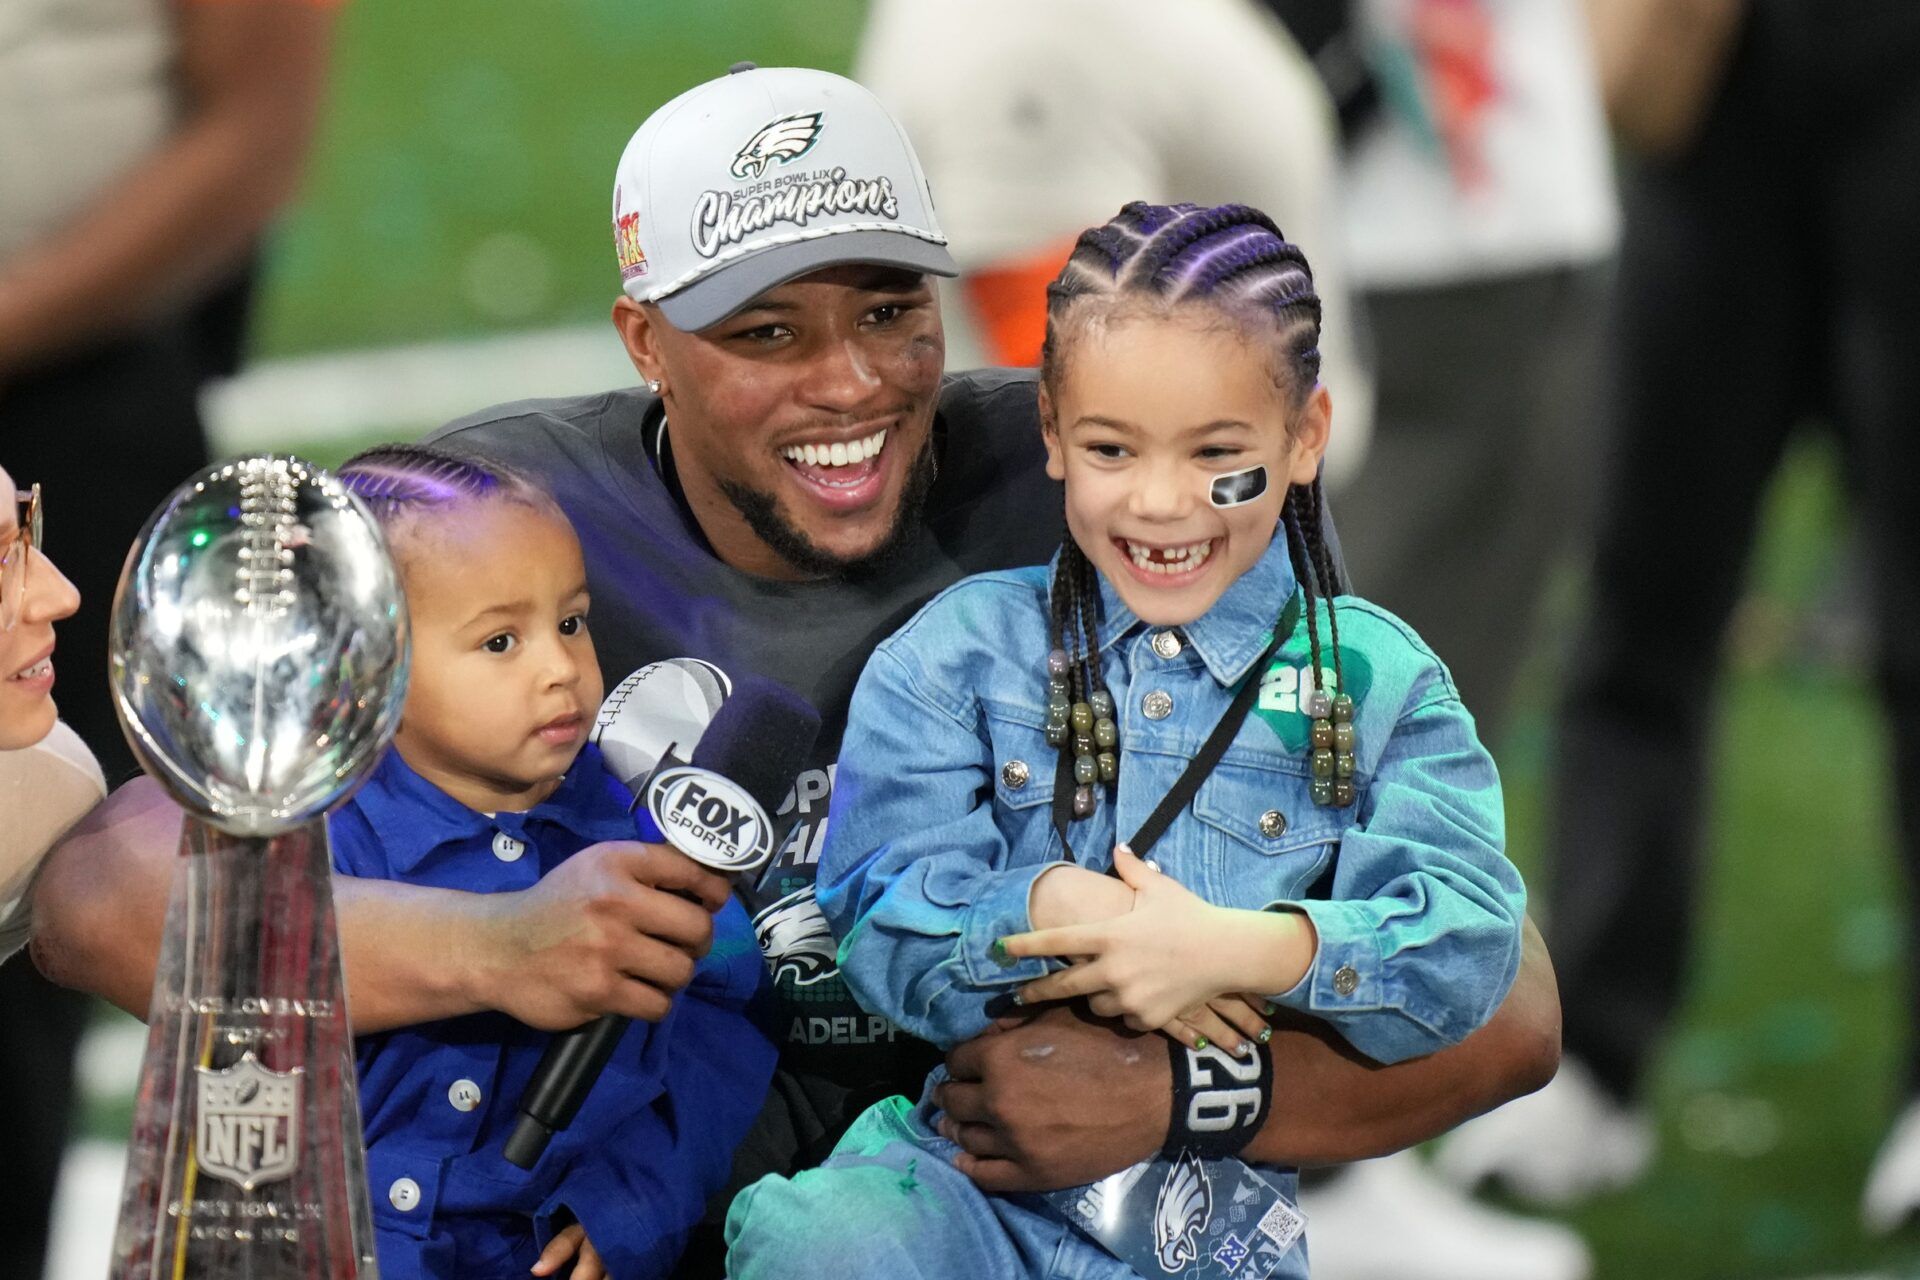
[[1185, 679]]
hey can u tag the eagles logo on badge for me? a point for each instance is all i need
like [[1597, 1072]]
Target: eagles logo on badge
[[1180, 1212], [249, 1123]]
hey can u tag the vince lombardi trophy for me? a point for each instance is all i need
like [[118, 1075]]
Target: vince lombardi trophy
[[259, 660]]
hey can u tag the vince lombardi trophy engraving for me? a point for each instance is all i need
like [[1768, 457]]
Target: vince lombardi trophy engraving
[[259, 663]]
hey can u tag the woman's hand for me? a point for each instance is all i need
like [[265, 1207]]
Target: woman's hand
[[569, 1241], [1147, 966]]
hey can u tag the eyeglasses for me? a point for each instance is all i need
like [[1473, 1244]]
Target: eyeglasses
[[13, 563]]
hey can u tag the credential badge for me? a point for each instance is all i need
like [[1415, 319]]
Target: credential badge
[[249, 1123]]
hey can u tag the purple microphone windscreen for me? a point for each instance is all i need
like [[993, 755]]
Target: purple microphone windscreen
[[761, 738]]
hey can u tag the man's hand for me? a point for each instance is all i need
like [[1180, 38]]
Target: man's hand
[[1059, 1098], [616, 928], [1055, 1099]]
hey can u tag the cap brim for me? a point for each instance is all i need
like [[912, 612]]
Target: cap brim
[[712, 298]]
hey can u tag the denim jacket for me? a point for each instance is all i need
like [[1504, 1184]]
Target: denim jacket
[[942, 820]]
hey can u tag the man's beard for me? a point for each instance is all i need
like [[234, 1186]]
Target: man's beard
[[762, 514]]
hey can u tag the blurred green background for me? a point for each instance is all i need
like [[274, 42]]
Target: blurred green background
[[464, 179], [461, 187]]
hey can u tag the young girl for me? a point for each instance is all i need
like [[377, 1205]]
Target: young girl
[[490, 785], [1326, 832]]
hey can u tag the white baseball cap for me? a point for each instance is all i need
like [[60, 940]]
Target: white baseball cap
[[761, 176]]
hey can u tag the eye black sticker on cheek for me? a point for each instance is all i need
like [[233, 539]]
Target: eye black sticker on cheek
[[1237, 487]]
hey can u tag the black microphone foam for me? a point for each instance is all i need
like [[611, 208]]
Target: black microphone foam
[[760, 738]]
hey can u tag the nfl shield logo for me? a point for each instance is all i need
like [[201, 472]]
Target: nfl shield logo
[[249, 1127]]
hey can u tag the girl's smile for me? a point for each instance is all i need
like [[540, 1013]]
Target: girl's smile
[[1159, 565]]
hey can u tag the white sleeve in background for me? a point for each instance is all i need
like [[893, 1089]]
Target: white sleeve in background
[[1035, 119], [44, 790]]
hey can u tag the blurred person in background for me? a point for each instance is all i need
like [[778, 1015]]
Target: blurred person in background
[[1480, 222], [1028, 136], [48, 781], [1770, 273], [144, 147]]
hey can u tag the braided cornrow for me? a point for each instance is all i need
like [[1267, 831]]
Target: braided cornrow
[[1298, 551], [399, 481]]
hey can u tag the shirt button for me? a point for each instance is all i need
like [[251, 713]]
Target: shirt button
[[1166, 644], [1345, 980], [404, 1194], [506, 848], [1015, 774], [1273, 823], [1157, 705], [464, 1095]]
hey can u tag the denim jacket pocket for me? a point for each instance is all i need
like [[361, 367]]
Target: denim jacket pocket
[[1265, 840], [1023, 769]]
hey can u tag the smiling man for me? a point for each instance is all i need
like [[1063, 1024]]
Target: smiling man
[[796, 478]]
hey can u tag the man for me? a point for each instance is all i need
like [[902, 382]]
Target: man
[[795, 482]]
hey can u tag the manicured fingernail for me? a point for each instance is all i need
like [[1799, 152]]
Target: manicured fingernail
[[1200, 1042], [1268, 1009], [1019, 997], [1242, 1049], [999, 951], [1266, 1035]]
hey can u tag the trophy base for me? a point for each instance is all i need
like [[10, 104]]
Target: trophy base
[[247, 1160]]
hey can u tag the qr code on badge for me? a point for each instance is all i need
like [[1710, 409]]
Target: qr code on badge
[[1283, 1223]]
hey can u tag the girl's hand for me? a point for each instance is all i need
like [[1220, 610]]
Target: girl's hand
[[571, 1240], [1152, 964], [1065, 894], [1235, 1023]]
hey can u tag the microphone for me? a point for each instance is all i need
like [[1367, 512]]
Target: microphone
[[718, 810]]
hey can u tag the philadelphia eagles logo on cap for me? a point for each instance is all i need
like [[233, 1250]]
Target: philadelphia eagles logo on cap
[[781, 142]]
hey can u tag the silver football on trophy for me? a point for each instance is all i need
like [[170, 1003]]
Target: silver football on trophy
[[259, 644]]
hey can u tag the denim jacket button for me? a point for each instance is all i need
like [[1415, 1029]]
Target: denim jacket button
[[1015, 774], [1166, 644], [1157, 705], [1273, 823], [1345, 980]]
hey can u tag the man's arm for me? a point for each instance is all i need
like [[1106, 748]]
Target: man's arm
[[252, 78], [605, 932], [1061, 1099]]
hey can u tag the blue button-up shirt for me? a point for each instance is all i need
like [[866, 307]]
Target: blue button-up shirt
[[655, 1136], [934, 842]]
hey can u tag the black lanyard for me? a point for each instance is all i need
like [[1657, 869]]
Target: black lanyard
[[1197, 770]]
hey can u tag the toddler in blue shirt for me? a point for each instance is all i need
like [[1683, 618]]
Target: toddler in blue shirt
[[1326, 830], [490, 785]]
